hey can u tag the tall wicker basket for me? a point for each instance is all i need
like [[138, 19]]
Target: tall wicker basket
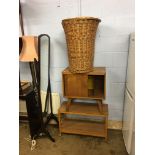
[[80, 37]]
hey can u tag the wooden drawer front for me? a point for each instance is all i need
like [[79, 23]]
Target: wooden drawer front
[[75, 85]]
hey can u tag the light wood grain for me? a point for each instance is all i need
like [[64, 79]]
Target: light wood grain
[[76, 85], [87, 109], [83, 127]]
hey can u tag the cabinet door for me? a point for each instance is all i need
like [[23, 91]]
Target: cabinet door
[[75, 85]]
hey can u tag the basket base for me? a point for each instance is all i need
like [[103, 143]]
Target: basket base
[[81, 71]]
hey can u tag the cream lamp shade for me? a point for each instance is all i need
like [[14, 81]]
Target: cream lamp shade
[[29, 50]]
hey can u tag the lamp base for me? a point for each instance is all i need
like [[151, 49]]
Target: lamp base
[[44, 133]]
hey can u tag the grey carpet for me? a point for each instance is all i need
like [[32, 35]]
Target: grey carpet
[[68, 144]]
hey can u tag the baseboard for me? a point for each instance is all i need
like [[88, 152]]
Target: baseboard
[[55, 101], [114, 124]]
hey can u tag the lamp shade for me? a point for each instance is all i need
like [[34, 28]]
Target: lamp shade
[[29, 50]]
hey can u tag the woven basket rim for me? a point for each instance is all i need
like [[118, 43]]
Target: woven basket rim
[[81, 18]]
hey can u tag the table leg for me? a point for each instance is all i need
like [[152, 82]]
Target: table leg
[[68, 104], [59, 117], [106, 128], [100, 107]]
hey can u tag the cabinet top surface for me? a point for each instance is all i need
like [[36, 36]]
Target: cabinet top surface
[[96, 71]]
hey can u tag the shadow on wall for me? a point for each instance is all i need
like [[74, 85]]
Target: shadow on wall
[[61, 42], [104, 31], [60, 51]]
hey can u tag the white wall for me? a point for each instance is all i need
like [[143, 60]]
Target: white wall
[[111, 51]]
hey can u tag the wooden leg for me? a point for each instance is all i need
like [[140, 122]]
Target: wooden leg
[[100, 107], [59, 117], [68, 104], [106, 128]]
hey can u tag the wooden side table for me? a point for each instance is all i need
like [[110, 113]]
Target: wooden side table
[[90, 86]]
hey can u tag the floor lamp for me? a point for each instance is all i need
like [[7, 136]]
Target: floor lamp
[[29, 53]]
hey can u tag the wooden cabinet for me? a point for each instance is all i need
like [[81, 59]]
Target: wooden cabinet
[[90, 85]]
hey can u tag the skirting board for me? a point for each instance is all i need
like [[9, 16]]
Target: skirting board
[[117, 125], [55, 102]]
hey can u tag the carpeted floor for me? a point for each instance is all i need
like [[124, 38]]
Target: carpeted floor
[[69, 144]]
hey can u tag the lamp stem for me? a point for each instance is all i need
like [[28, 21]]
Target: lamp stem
[[34, 73], [21, 19]]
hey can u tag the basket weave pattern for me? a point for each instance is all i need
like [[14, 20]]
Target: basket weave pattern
[[80, 37]]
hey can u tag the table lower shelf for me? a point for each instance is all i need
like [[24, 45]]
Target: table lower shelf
[[83, 127]]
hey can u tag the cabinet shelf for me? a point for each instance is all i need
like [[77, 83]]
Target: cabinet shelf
[[80, 126], [88, 109], [83, 127]]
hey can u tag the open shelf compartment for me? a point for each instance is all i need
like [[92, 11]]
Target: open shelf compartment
[[96, 86], [80, 108]]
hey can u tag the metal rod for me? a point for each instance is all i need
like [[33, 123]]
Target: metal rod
[[21, 19]]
